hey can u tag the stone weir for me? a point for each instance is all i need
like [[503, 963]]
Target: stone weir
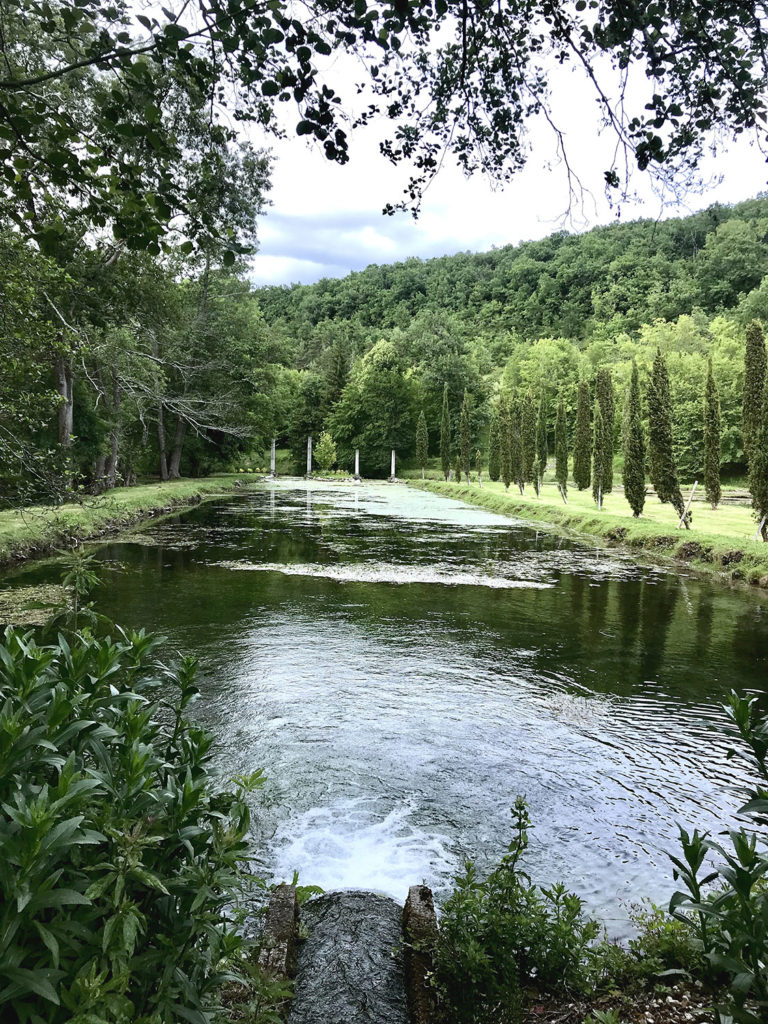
[[362, 958]]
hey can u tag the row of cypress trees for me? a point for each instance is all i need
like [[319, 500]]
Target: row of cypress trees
[[518, 443]]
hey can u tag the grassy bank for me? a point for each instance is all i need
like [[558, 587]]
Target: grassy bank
[[39, 530], [719, 542]]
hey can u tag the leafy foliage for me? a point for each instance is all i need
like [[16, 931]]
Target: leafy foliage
[[561, 447], [501, 934], [122, 858], [726, 905], [422, 442], [661, 455], [494, 446], [465, 434], [754, 385], [445, 434], [325, 452], [599, 457]]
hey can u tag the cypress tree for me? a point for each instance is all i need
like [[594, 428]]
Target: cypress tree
[[754, 383], [422, 443], [711, 439], [561, 446], [465, 434], [582, 439], [528, 437], [494, 447], [604, 390], [516, 445], [541, 441], [598, 454], [457, 468], [662, 458], [634, 445], [445, 434], [479, 466], [758, 468], [505, 437]]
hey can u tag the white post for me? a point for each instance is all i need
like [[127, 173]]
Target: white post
[[357, 463], [272, 460], [688, 505], [760, 528], [450, 475], [309, 456], [392, 474]]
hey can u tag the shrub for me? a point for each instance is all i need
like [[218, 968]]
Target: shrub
[[502, 935], [121, 860]]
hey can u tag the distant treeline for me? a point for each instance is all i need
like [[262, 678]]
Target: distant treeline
[[117, 365], [375, 348]]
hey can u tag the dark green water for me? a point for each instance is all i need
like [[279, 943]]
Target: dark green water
[[403, 666]]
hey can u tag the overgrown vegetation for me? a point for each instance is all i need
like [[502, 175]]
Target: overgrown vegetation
[[122, 857]]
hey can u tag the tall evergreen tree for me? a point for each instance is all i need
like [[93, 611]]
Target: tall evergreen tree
[[422, 443], [479, 466], [561, 446], [541, 441], [662, 458], [599, 445], [506, 440], [711, 439], [604, 391], [494, 447], [338, 370], [582, 439], [754, 383], [445, 434], [758, 469], [516, 445], [465, 434], [528, 437], [634, 445]]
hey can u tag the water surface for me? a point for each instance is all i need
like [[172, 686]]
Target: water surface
[[403, 666]]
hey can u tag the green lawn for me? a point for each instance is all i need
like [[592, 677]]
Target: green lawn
[[38, 529], [719, 541]]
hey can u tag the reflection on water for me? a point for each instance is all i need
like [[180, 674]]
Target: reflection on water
[[403, 665]]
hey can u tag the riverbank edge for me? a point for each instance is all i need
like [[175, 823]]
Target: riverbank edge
[[717, 557], [47, 529]]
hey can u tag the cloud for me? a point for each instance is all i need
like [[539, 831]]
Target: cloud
[[326, 220]]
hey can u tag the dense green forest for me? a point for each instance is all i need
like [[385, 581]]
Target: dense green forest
[[116, 365]]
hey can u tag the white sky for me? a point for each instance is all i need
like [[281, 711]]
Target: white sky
[[326, 220]]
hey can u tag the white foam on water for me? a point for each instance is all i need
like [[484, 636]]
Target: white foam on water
[[350, 846], [359, 572]]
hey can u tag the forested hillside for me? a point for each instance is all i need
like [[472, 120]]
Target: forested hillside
[[547, 312], [117, 365]]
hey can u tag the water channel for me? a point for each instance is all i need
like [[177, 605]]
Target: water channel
[[403, 665]]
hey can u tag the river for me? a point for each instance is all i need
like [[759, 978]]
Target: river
[[403, 665]]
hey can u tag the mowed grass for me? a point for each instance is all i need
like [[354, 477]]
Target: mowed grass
[[38, 529], [720, 541]]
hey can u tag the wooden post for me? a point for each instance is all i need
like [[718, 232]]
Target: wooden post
[[687, 505], [309, 456], [760, 528]]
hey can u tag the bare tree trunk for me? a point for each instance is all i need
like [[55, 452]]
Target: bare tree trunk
[[111, 467], [174, 466], [98, 474], [161, 442], [64, 387]]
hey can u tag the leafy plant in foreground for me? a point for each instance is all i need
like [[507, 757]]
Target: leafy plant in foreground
[[731, 919], [502, 935], [122, 861]]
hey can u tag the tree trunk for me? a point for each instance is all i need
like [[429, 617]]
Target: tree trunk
[[161, 442], [174, 465], [111, 466], [98, 474], [64, 388]]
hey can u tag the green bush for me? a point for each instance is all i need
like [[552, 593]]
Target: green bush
[[730, 921], [121, 861], [502, 935]]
